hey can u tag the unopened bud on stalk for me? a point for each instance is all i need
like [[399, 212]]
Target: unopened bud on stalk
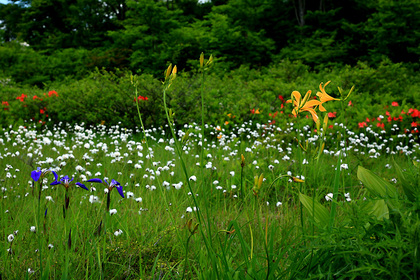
[[297, 180], [201, 59], [325, 124], [168, 71], [242, 161], [210, 61]]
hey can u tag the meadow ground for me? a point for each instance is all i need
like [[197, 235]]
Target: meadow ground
[[239, 201]]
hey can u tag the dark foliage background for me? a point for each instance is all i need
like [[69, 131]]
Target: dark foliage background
[[87, 49]]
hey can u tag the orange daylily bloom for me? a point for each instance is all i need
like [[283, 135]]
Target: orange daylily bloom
[[302, 105], [324, 96]]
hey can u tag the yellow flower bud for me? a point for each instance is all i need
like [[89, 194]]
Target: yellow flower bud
[[297, 180], [201, 59], [168, 71]]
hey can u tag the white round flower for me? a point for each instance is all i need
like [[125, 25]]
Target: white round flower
[[329, 197], [10, 238], [118, 232], [193, 178]]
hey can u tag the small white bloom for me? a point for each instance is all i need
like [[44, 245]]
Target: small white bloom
[[232, 173], [193, 178], [130, 194], [33, 229], [93, 199], [278, 204], [79, 168], [113, 211], [118, 232], [50, 246], [10, 238], [344, 166], [189, 209], [139, 199], [49, 198], [329, 197]]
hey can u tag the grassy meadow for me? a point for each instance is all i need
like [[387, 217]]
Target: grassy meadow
[[313, 196]]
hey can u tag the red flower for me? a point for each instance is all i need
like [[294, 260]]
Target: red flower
[[389, 119], [362, 124], [381, 125], [281, 98], [414, 124], [36, 97], [5, 103], [52, 92], [330, 126], [416, 113], [41, 111], [22, 97], [394, 104], [273, 115], [252, 111], [332, 115], [387, 113], [141, 98], [350, 104]]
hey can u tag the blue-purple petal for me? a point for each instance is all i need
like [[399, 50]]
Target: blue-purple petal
[[82, 186], [36, 174], [120, 190], [55, 183], [55, 175], [95, 180]]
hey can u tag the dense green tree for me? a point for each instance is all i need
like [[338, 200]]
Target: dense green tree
[[10, 19], [145, 35]]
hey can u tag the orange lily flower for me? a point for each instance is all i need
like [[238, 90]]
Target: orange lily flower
[[324, 96], [302, 105]]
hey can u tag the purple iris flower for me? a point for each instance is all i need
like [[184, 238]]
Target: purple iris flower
[[38, 173], [66, 182], [114, 184]]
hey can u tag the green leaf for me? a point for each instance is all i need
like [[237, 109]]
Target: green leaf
[[378, 208], [318, 212], [375, 184], [408, 187]]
